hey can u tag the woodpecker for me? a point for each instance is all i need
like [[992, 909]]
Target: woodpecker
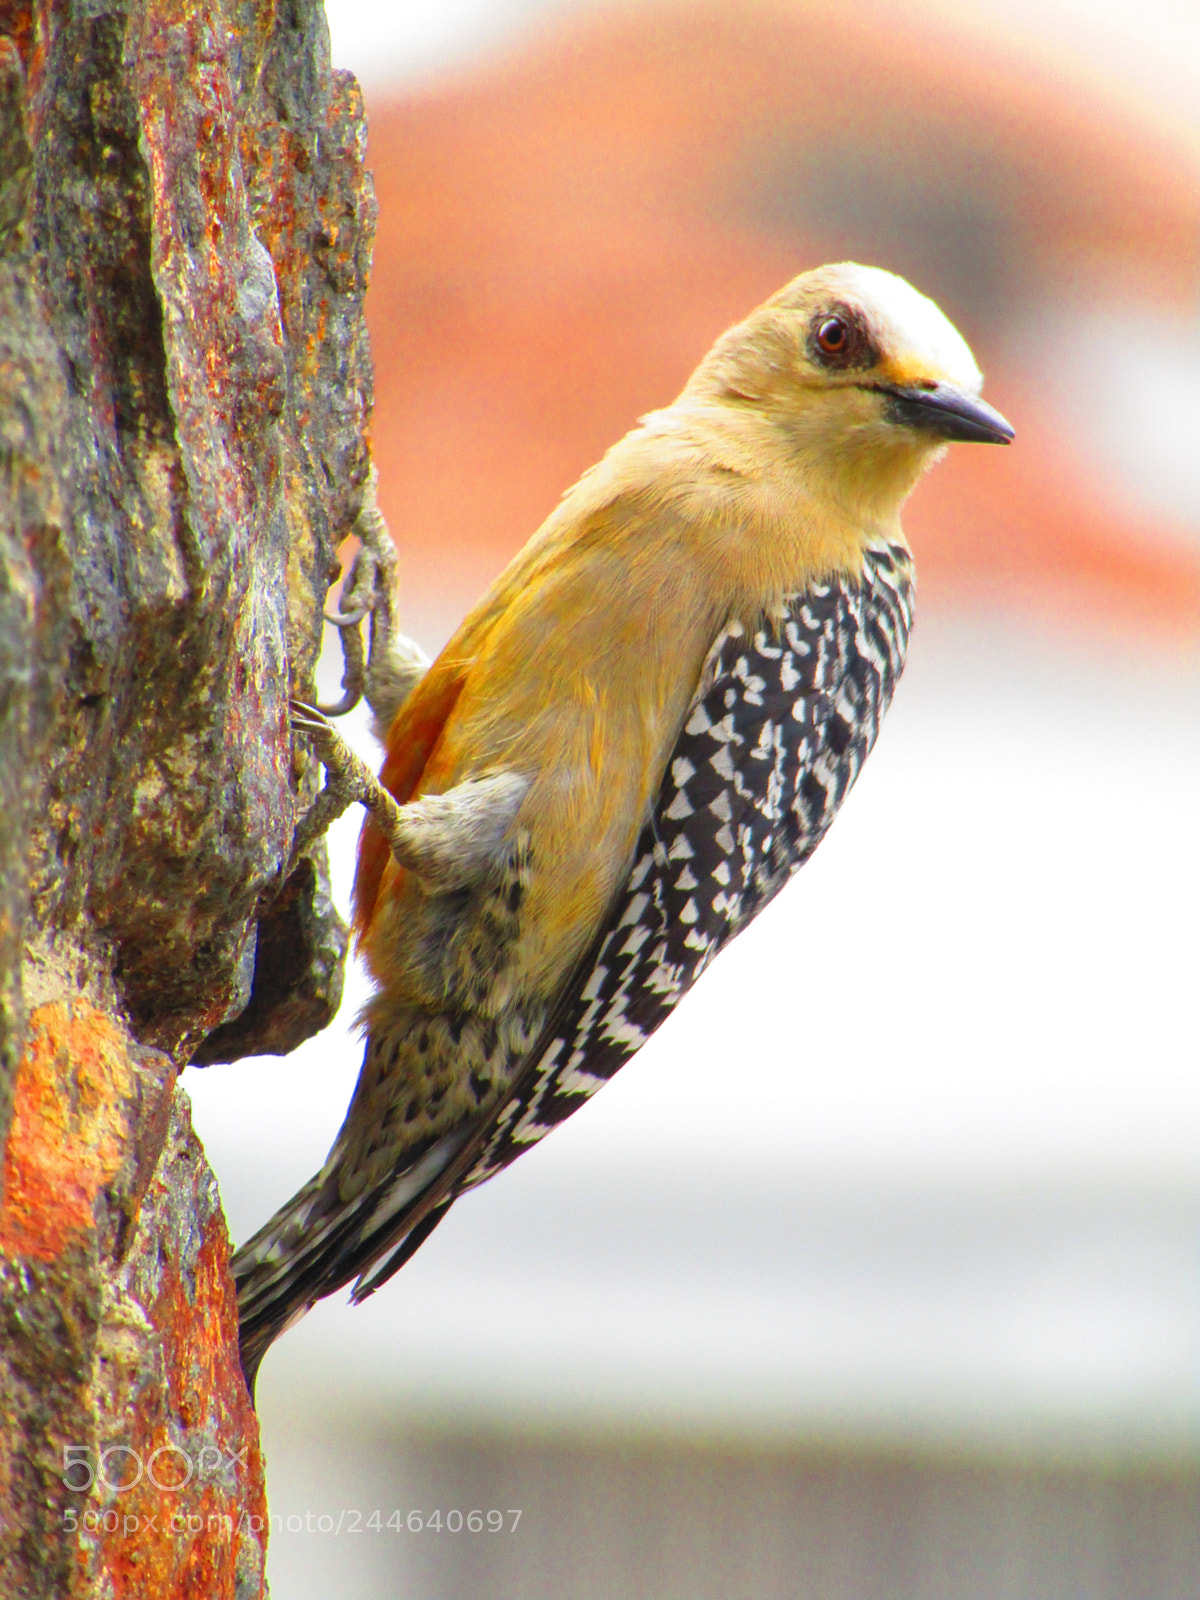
[[630, 745]]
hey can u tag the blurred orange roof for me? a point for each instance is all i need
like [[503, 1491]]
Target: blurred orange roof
[[562, 235]]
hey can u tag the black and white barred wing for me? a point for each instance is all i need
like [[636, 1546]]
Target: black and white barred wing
[[777, 734]]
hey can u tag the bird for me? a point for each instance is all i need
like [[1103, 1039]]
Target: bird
[[629, 746]]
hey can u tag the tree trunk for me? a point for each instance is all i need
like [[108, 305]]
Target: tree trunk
[[185, 235]]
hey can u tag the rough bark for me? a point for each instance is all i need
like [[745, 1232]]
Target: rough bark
[[185, 233]]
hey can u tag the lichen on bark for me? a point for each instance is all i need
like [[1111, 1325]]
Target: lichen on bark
[[185, 387]]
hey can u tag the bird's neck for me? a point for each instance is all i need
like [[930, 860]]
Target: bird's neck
[[769, 510]]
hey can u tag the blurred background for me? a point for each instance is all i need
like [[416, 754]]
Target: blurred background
[[877, 1273]]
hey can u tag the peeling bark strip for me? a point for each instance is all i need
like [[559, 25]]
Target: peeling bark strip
[[185, 387]]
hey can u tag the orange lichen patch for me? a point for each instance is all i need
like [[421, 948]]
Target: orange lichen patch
[[184, 1547], [199, 1317], [188, 1538], [70, 1127], [21, 34]]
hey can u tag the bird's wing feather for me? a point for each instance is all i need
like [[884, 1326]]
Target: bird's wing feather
[[414, 737]]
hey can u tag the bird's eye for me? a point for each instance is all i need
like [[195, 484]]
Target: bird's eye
[[838, 339], [833, 336]]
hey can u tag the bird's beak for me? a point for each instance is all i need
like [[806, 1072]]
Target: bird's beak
[[946, 412]]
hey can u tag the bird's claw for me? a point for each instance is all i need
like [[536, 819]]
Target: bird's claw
[[310, 720], [348, 781], [347, 619], [344, 775], [346, 772]]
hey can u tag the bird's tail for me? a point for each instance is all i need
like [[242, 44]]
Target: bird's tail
[[317, 1242], [272, 1272]]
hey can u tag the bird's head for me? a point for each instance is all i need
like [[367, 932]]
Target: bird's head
[[863, 380]]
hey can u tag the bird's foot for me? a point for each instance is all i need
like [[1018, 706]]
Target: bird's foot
[[368, 591], [387, 671], [348, 781]]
